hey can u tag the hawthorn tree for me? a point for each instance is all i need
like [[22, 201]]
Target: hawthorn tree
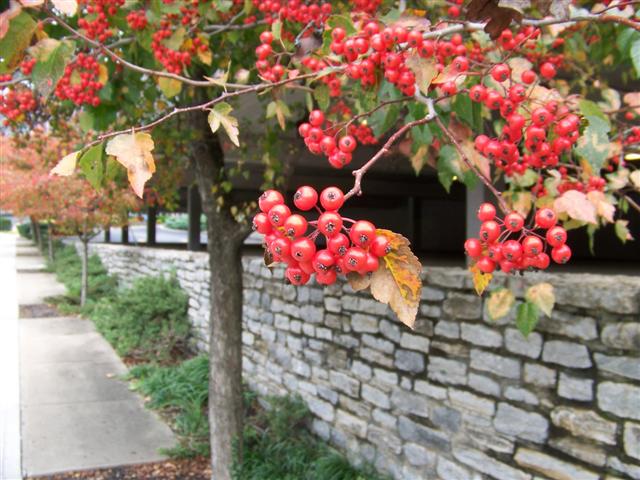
[[530, 98], [69, 206]]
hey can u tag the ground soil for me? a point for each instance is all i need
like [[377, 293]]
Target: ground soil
[[40, 310], [188, 469]]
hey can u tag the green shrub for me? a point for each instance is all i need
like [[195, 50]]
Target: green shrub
[[24, 230], [146, 322], [68, 269], [181, 390], [180, 221], [5, 224]]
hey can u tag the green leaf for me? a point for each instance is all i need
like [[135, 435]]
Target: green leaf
[[622, 230], [276, 29], [591, 109], [321, 94], [527, 179], [463, 108], [92, 165], [527, 318], [175, 41], [16, 41], [52, 56], [220, 115], [634, 52], [447, 166], [383, 119], [86, 121], [593, 144]]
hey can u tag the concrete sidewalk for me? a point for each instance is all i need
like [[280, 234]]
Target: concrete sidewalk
[[76, 412]]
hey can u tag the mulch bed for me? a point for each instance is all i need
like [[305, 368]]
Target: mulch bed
[[190, 468], [40, 310]]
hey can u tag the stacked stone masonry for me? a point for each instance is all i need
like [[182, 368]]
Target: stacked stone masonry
[[457, 398]]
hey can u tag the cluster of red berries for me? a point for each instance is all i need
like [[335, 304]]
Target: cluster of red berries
[[6, 77], [354, 249], [137, 20], [174, 61], [26, 66], [16, 103], [331, 80], [294, 10], [96, 24], [495, 249], [80, 82], [269, 72], [543, 144], [338, 152]]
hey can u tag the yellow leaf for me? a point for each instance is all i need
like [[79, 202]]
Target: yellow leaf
[[205, 57], [499, 303], [397, 282], [604, 207], [68, 7], [424, 71], [67, 165], [219, 115], [542, 296], [635, 179], [480, 280], [103, 74], [170, 87], [133, 151], [419, 158]]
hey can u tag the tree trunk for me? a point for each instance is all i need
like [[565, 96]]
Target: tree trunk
[[225, 323], [35, 233], [107, 234], [84, 283], [50, 240]]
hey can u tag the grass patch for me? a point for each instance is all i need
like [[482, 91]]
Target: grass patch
[[147, 322], [68, 269], [276, 442]]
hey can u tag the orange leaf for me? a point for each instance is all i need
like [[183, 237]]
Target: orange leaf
[[480, 280], [397, 282]]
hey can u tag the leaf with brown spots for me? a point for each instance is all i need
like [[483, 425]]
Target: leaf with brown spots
[[397, 281]]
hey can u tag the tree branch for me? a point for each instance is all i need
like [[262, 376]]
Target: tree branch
[[463, 156], [359, 173]]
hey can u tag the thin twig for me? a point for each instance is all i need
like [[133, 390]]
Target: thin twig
[[487, 181], [359, 173], [202, 106]]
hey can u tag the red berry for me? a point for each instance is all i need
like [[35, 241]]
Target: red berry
[[545, 218], [326, 278], [380, 246], [305, 198], [316, 118], [561, 254], [261, 223], [295, 226], [331, 198], [548, 71], [278, 214], [355, 259], [495, 252], [297, 276], [532, 246], [478, 93], [542, 261], [338, 244], [473, 247], [528, 77], [268, 199], [372, 263], [513, 222], [362, 233], [486, 265], [489, 231], [266, 37], [501, 72], [512, 250], [329, 224], [303, 249], [323, 260], [556, 237], [280, 248], [338, 34], [347, 144], [486, 212]]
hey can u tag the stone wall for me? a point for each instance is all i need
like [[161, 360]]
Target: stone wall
[[459, 397]]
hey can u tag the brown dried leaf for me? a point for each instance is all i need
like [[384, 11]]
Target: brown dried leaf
[[133, 151], [424, 70], [499, 303], [576, 205], [397, 282], [498, 14], [358, 282]]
